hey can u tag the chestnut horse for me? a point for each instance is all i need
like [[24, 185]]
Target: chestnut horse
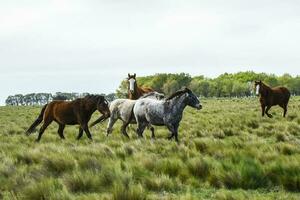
[[271, 97], [134, 91], [74, 112]]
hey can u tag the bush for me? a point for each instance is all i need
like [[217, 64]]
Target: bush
[[59, 164], [199, 167], [82, 181], [130, 192], [169, 167], [159, 183], [45, 189]]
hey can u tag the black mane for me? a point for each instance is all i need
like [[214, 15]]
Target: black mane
[[178, 93]]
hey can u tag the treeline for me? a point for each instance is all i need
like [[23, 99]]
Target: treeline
[[226, 85], [44, 98]]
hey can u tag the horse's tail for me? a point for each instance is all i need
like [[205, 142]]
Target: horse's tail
[[99, 120], [37, 121]]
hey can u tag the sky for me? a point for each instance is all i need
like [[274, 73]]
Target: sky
[[91, 45]]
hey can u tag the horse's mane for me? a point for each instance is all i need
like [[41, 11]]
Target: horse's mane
[[93, 97], [265, 85], [147, 95], [178, 93]]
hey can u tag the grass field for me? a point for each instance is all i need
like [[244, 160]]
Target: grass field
[[226, 151]]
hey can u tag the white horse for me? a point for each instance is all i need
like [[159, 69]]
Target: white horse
[[122, 109], [167, 112]]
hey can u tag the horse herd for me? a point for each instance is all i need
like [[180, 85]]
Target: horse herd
[[145, 107]]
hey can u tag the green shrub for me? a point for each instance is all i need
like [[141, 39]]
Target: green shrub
[[169, 167], [90, 163], [199, 167], [83, 181], [281, 137], [201, 145], [159, 183], [45, 189], [59, 164], [131, 192]]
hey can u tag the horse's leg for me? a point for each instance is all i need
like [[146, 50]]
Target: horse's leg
[[176, 132], [80, 133], [152, 131], [123, 129], [267, 111], [60, 131], [284, 110], [284, 107], [263, 108], [110, 125], [140, 129], [172, 130], [87, 131], [43, 128]]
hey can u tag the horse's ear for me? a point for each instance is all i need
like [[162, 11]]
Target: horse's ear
[[260, 81], [184, 88], [134, 75], [128, 75]]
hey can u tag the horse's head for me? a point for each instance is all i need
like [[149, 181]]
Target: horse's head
[[192, 99], [258, 87], [132, 82], [103, 106]]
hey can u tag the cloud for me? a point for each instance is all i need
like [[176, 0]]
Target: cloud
[[92, 45]]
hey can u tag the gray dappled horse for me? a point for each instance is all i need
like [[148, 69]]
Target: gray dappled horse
[[122, 109], [167, 112]]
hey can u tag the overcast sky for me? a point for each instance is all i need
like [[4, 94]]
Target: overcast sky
[[91, 45]]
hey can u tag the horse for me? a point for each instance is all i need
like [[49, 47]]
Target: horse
[[134, 91], [167, 112], [78, 111], [122, 109], [271, 97]]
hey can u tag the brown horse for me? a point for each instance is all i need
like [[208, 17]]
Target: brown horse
[[271, 97], [74, 112], [134, 91]]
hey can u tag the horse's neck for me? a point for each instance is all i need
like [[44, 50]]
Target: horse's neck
[[178, 104], [91, 107], [132, 96], [137, 93], [267, 90]]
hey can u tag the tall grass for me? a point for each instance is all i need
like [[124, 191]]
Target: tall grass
[[226, 151]]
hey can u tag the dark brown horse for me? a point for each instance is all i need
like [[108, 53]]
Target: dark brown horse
[[134, 91], [74, 112], [271, 97]]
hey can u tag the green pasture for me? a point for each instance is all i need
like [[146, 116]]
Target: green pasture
[[226, 151]]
